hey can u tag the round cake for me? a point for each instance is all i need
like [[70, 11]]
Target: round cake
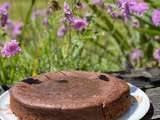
[[70, 95]]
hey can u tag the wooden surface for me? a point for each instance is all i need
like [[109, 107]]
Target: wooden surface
[[154, 95], [146, 79]]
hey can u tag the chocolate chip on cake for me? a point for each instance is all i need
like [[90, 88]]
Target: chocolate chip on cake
[[31, 81], [103, 77]]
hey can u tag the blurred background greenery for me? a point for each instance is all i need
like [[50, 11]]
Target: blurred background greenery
[[104, 46]]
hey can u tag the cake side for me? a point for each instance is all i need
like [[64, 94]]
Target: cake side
[[111, 112], [25, 113]]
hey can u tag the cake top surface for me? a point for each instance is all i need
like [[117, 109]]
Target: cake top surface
[[68, 90]]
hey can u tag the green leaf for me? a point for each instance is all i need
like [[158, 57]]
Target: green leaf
[[154, 3], [29, 12], [148, 31], [149, 50], [144, 20]]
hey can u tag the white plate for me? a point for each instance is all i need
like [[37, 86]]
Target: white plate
[[139, 108]]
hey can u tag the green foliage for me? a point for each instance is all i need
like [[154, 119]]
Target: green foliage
[[104, 46]]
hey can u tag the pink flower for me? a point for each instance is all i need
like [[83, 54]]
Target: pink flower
[[157, 54], [79, 24], [38, 13], [136, 54], [17, 29], [80, 5], [3, 16], [45, 21], [67, 12], [135, 24], [126, 11], [156, 17], [134, 6], [97, 2], [10, 49], [4, 19], [140, 8], [61, 31], [6, 5], [9, 24], [66, 8], [13, 28], [111, 12]]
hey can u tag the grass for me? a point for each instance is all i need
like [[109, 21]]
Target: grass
[[19, 8]]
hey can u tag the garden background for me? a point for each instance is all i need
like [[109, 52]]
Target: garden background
[[103, 36]]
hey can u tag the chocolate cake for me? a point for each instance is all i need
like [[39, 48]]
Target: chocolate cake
[[73, 95]]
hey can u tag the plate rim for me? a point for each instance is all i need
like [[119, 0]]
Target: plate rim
[[147, 100], [1, 96], [130, 85]]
